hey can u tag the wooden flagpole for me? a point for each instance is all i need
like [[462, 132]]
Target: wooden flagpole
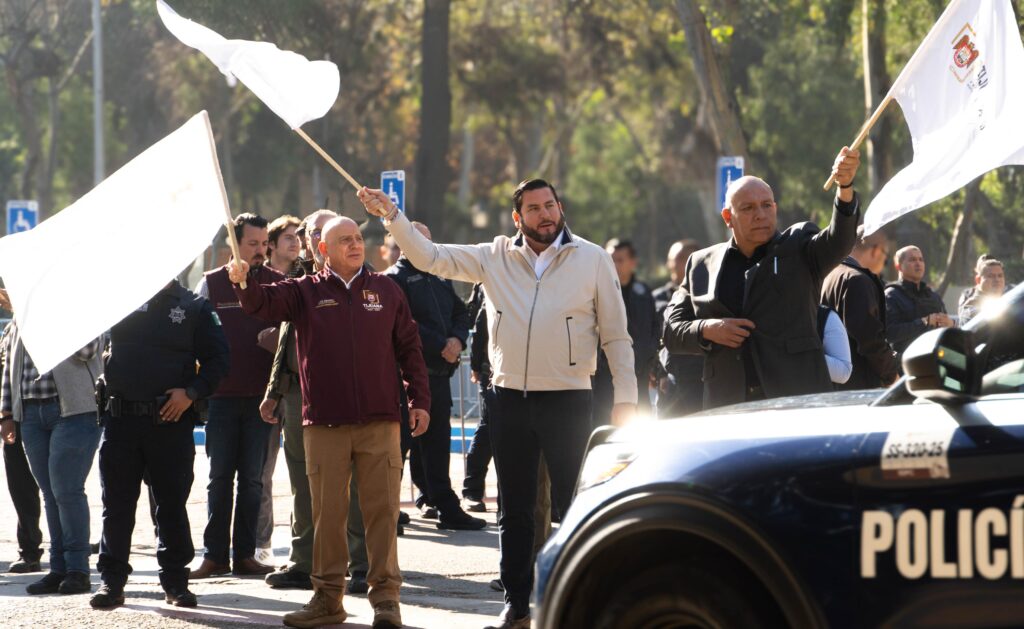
[[229, 220], [864, 130], [329, 159]]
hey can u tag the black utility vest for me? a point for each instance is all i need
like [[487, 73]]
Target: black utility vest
[[153, 349]]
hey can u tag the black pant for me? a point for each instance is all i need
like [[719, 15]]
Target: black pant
[[130, 448], [430, 458], [557, 424], [478, 457], [25, 496]]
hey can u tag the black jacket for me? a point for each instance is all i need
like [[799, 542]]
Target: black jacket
[[906, 304], [858, 297], [438, 312], [781, 294], [156, 348]]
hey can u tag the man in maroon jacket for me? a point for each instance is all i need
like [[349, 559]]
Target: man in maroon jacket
[[236, 435], [353, 331]]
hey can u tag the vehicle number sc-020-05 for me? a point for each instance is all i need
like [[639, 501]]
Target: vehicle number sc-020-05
[[916, 455]]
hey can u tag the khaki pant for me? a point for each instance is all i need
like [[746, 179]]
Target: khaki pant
[[331, 453]]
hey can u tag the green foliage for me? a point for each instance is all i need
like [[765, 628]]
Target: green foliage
[[599, 96]]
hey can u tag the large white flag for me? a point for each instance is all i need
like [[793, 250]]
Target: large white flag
[[295, 88], [90, 265], [962, 94]]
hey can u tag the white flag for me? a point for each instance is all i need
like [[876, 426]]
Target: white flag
[[962, 95], [84, 269], [295, 88]]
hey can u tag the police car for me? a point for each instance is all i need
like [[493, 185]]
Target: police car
[[902, 507]]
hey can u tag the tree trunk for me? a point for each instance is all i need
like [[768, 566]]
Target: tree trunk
[[958, 245], [876, 85], [725, 119], [432, 171]]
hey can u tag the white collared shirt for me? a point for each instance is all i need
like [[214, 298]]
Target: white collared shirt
[[347, 284], [542, 261]]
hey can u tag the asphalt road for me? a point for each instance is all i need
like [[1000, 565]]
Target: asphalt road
[[446, 574]]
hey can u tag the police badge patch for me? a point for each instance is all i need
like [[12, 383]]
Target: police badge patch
[[177, 314]]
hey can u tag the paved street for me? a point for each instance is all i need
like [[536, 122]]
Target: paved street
[[446, 574]]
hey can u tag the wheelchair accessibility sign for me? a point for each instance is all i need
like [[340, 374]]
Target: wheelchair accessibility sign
[[22, 216]]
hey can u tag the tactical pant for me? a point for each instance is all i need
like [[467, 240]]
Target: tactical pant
[[332, 453], [131, 446]]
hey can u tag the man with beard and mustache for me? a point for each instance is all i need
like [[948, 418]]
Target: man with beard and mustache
[[548, 291], [236, 435]]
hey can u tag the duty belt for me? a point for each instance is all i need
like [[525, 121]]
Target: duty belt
[[120, 407]]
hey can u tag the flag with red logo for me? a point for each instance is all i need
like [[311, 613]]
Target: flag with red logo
[[962, 95]]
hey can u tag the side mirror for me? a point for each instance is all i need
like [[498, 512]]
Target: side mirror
[[941, 365]]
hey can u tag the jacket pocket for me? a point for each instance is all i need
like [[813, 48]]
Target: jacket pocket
[[570, 334], [800, 344], [497, 326]]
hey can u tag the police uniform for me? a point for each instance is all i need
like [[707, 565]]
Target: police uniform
[[152, 350]]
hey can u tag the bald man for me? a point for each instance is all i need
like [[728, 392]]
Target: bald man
[[749, 305], [353, 331]]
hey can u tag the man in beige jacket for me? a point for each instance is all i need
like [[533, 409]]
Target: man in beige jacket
[[552, 298]]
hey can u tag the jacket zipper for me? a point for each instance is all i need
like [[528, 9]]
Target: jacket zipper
[[529, 325], [352, 337]]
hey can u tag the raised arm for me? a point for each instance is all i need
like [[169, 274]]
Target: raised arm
[[279, 301], [456, 262]]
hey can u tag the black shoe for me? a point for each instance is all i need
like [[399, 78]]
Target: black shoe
[[476, 506], [107, 596], [289, 577], [24, 566], [496, 585], [401, 530], [75, 583], [49, 584], [357, 583], [180, 597], [459, 520], [428, 513], [403, 517]]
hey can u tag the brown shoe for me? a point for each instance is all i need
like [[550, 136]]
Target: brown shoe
[[386, 615], [317, 612], [250, 567], [209, 569]]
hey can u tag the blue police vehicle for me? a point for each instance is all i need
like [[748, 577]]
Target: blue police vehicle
[[897, 507]]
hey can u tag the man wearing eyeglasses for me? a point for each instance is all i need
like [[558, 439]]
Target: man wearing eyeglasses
[[353, 332], [854, 290]]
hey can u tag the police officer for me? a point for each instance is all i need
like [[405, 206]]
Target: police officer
[[147, 410]]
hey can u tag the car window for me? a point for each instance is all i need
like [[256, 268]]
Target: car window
[[1007, 378]]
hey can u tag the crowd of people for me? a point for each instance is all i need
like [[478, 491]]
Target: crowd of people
[[298, 336]]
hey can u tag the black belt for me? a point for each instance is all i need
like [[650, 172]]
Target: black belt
[[120, 407]]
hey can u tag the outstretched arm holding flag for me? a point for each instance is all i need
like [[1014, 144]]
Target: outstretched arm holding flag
[[962, 96]]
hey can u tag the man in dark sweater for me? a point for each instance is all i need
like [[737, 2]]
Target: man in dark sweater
[[236, 435], [855, 292], [911, 307], [354, 330], [680, 388]]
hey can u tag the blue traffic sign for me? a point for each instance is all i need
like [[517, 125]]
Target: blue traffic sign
[[728, 170], [392, 182], [22, 216]]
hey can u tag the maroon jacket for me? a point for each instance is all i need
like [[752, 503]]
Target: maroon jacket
[[349, 344], [250, 363]]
